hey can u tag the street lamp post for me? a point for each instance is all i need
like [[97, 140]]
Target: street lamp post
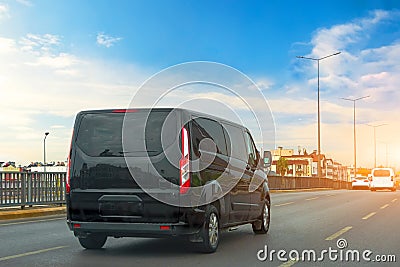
[[375, 126], [354, 129], [319, 117], [44, 151], [387, 163]]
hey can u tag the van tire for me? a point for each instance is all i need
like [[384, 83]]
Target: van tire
[[210, 231], [93, 241], [262, 226]]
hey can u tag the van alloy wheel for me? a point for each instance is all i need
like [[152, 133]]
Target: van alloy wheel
[[210, 230], [213, 229], [266, 217], [262, 226]]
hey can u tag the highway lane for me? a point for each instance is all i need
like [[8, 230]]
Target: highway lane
[[300, 221]]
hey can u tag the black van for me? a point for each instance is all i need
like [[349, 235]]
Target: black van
[[163, 172]]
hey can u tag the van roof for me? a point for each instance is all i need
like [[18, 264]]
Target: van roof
[[382, 169], [188, 111]]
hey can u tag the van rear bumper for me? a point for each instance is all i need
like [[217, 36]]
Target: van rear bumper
[[83, 229], [381, 186]]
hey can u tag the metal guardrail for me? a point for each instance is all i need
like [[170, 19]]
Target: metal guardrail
[[37, 188], [288, 182], [31, 188]]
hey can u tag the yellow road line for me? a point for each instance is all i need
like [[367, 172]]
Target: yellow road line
[[312, 198], [384, 206], [283, 204], [369, 216], [394, 200], [338, 233], [288, 263], [31, 253]]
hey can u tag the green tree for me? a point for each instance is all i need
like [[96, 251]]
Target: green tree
[[282, 166]]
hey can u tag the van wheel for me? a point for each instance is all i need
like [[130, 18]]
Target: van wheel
[[93, 241], [262, 226], [210, 230]]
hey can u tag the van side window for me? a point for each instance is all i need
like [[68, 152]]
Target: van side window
[[205, 128], [251, 150], [235, 142]]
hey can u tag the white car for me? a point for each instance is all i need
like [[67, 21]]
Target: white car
[[361, 182], [382, 178]]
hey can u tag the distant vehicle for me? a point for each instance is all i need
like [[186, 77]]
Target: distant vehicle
[[360, 182], [105, 198], [382, 178]]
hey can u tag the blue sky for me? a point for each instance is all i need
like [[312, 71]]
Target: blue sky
[[58, 57]]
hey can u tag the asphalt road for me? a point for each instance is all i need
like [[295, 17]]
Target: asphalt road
[[301, 221]]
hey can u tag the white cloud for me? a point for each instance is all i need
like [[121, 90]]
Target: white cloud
[[57, 126], [25, 2], [57, 84], [106, 40], [7, 45], [339, 37], [60, 61], [363, 68], [40, 44], [264, 84], [43, 89], [4, 11]]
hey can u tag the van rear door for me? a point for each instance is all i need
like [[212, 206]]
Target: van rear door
[[103, 184], [382, 178]]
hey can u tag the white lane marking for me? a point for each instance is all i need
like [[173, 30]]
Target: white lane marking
[[339, 233], [45, 220], [384, 206], [369, 216], [394, 200], [283, 204], [308, 199], [288, 263], [31, 253]]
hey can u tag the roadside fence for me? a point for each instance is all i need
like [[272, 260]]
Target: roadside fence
[[289, 182], [45, 188], [31, 188]]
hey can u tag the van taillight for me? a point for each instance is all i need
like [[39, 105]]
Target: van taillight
[[184, 163], [124, 110], [68, 178]]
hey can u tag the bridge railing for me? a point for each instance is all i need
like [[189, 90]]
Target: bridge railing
[[43, 188], [289, 182], [31, 188]]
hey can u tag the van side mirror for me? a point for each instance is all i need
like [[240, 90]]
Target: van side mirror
[[267, 159]]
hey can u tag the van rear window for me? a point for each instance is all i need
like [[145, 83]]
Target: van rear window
[[381, 173], [100, 134]]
